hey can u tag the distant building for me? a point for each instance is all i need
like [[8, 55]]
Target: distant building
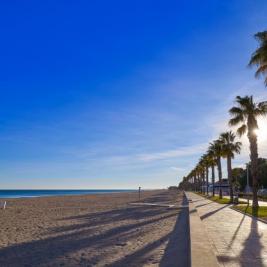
[[224, 187]]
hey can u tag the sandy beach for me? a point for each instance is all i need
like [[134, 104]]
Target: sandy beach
[[94, 230]]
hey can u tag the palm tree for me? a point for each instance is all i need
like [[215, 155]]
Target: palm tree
[[259, 57], [229, 148], [216, 147], [201, 175], [204, 172], [206, 164], [209, 161], [194, 174], [212, 159], [191, 181], [245, 116], [198, 172]]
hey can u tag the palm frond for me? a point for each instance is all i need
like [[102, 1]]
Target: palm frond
[[261, 36], [229, 146], [261, 109], [244, 102], [259, 57], [255, 59], [242, 130], [236, 120], [235, 111], [262, 69], [237, 147]]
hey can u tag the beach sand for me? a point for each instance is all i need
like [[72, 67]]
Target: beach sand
[[94, 230]]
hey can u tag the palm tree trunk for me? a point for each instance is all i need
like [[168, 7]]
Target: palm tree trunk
[[254, 167], [199, 180], [207, 180], [203, 182], [213, 180], [199, 183], [230, 179], [220, 176]]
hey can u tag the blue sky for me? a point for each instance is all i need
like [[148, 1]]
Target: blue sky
[[119, 94]]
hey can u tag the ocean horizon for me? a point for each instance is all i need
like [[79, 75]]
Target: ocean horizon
[[29, 193]]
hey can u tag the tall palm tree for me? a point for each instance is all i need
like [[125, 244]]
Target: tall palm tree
[[203, 168], [206, 165], [229, 148], [194, 174], [190, 179], [212, 160], [216, 147], [259, 57], [201, 175], [245, 115], [198, 172]]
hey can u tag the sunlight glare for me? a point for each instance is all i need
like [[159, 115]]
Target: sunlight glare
[[261, 132]]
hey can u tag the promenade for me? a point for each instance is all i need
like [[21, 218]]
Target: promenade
[[236, 239]]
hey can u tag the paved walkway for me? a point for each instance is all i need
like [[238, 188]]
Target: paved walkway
[[237, 239]]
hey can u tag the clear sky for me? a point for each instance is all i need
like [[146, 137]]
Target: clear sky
[[117, 94]]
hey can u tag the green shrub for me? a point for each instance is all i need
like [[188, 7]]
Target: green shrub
[[258, 212], [223, 200]]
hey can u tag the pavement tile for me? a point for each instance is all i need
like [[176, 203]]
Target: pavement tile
[[237, 240]]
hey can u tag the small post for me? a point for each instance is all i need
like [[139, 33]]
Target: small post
[[139, 193], [3, 204]]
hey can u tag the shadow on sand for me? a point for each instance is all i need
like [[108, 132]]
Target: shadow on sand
[[86, 233], [177, 252]]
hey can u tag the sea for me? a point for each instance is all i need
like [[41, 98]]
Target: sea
[[24, 193]]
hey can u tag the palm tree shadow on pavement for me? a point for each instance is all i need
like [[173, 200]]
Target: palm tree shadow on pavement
[[236, 232], [201, 205], [206, 215], [251, 254]]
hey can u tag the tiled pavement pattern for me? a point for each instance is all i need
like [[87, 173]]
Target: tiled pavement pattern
[[237, 239]]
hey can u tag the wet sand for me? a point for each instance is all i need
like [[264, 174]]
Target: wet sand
[[94, 230]]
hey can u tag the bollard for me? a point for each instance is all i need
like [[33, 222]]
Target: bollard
[[3, 204]]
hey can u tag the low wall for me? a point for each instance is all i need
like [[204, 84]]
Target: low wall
[[202, 254]]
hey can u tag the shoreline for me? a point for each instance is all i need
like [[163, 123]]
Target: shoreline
[[65, 192]]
